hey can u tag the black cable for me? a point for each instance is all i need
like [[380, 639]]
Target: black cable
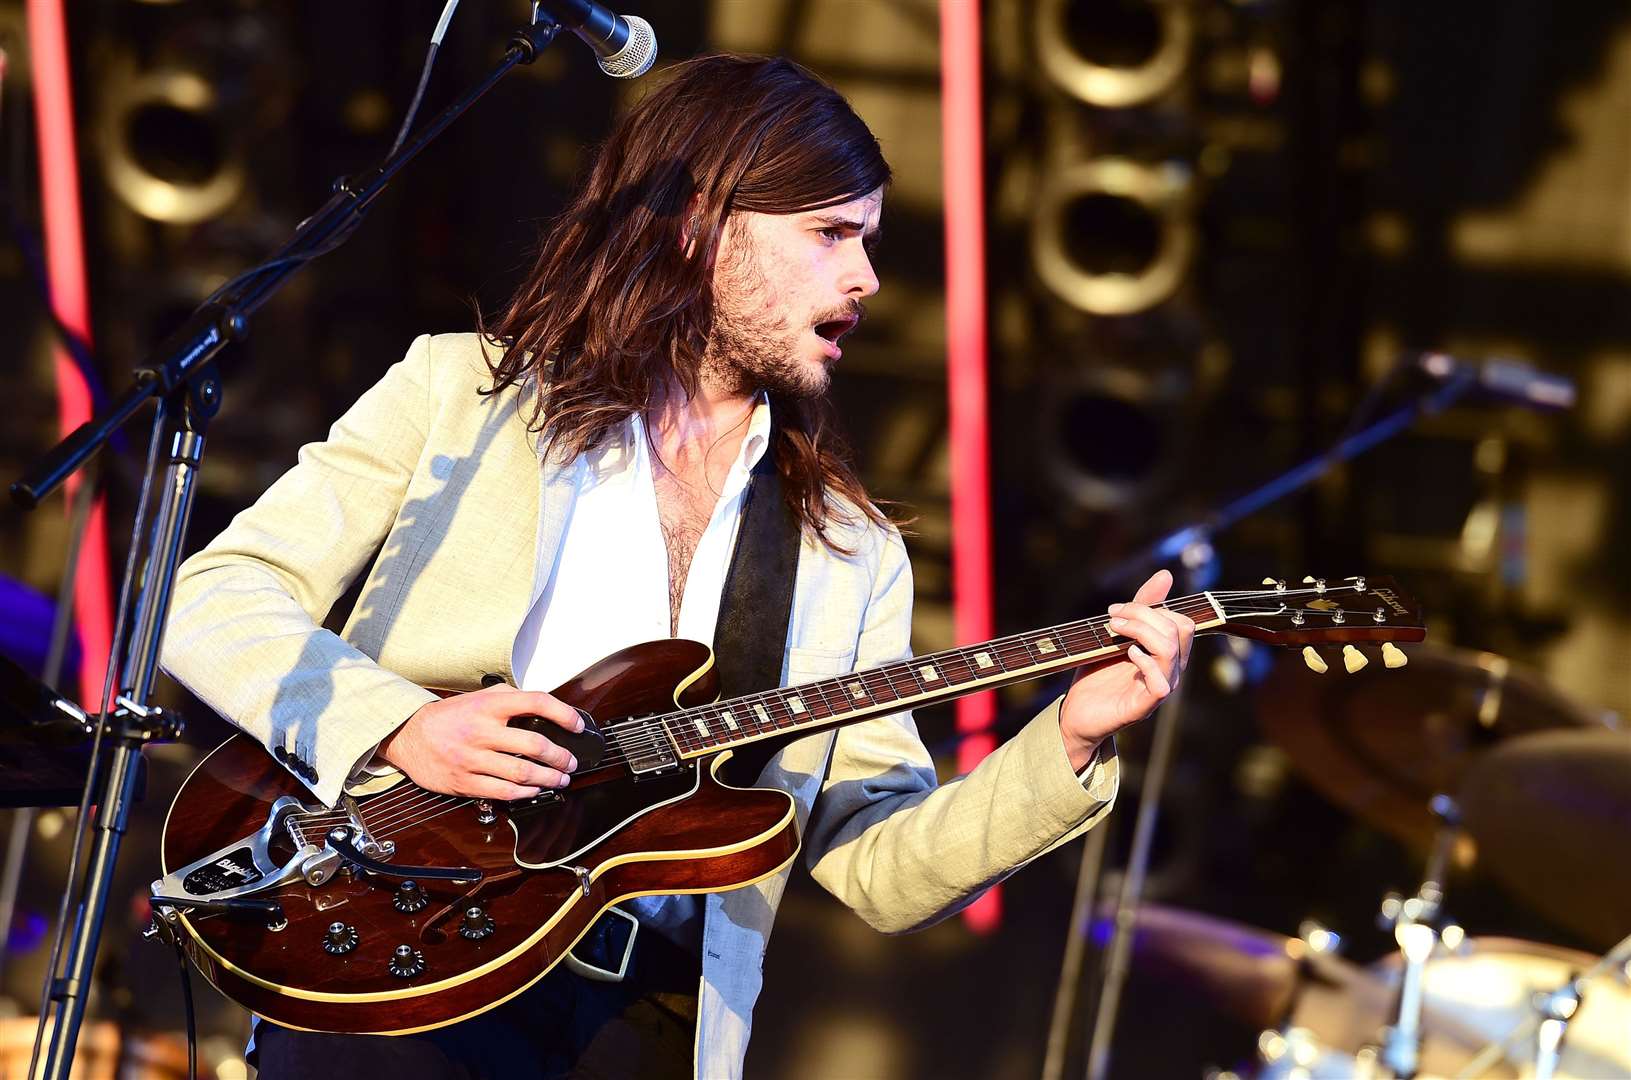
[[343, 234], [418, 96], [187, 1004]]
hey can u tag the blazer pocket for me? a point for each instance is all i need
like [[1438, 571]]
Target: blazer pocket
[[806, 665]]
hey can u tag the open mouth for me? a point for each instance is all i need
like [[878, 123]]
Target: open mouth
[[835, 329]]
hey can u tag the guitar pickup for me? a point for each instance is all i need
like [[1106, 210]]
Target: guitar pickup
[[648, 750]]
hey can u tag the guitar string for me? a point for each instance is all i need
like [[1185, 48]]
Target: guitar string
[[388, 813], [393, 816], [395, 806]]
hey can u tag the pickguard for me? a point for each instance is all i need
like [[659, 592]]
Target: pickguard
[[554, 833]]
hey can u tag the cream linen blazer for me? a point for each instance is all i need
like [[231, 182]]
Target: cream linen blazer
[[449, 488]]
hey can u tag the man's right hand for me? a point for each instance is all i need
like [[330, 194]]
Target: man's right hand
[[462, 745]]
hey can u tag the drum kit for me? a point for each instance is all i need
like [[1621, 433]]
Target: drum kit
[[1466, 757]]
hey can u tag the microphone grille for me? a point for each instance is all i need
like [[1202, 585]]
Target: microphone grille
[[637, 54]]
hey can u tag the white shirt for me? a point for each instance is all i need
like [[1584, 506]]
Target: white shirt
[[609, 586]]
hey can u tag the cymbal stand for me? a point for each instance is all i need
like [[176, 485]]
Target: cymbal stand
[[1199, 561], [1549, 1018], [1416, 927]]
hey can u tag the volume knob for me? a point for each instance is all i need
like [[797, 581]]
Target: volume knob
[[406, 962], [475, 925], [410, 897], [340, 939]]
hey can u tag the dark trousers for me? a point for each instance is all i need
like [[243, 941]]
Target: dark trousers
[[561, 1026]]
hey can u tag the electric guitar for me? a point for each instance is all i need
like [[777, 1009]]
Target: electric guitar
[[407, 910]]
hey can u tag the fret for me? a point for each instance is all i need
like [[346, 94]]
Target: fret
[[901, 683], [782, 712], [878, 685], [1006, 656], [828, 700], [957, 668]]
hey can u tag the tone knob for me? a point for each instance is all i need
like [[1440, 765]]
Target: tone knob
[[410, 897], [340, 939], [475, 925], [406, 962]]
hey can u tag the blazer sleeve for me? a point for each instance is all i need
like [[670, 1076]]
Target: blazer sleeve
[[244, 631], [905, 853]]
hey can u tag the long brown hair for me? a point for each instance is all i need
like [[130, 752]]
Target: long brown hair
[[615, 304]]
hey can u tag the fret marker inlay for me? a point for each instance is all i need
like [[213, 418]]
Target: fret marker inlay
[[796, 705], [1046, 646], [983, 659], [857, 691], [701, 726], [730, 721], [928, 673], [764, 717]]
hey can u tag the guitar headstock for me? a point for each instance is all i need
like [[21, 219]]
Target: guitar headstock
[[1316, 611]]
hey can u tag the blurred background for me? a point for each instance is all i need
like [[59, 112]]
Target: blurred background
[[1217, 233]]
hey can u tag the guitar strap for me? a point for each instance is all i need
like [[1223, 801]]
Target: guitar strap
[[750, 637], [756, 604]]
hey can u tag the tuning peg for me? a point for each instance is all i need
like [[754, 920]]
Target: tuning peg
[[1393, 656], [1353, 659], [1268, 581], [1316, 663], [1308, 580]]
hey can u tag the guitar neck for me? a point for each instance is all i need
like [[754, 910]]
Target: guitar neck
[[906, 684]]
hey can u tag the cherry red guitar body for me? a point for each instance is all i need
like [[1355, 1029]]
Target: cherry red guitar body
[[683, 831], [346, 950]]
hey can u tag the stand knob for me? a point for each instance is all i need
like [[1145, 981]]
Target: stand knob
[[340, 939], [475, 925], [410, 897], [484, 812], [406, 962]]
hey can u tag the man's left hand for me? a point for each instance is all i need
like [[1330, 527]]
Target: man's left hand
[[1103, 700]]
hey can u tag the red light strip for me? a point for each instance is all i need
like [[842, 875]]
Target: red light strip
[[962, 165], [65, 270]]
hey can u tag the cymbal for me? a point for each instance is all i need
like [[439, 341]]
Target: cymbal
[[1551, 813], [1382, 742], [1250, 975], [1488, 983]]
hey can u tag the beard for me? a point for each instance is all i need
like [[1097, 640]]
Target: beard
[[745, 356], [751, 348]]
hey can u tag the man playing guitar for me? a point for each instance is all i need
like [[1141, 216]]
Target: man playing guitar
[[572, 480]]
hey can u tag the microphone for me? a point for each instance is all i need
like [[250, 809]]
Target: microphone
[[1504, 379], [624, 44]]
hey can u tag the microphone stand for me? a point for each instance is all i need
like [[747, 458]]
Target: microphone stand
[[183, 376], [1191, 546]]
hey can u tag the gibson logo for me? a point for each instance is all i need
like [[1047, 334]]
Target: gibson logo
[[1391, 599]]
